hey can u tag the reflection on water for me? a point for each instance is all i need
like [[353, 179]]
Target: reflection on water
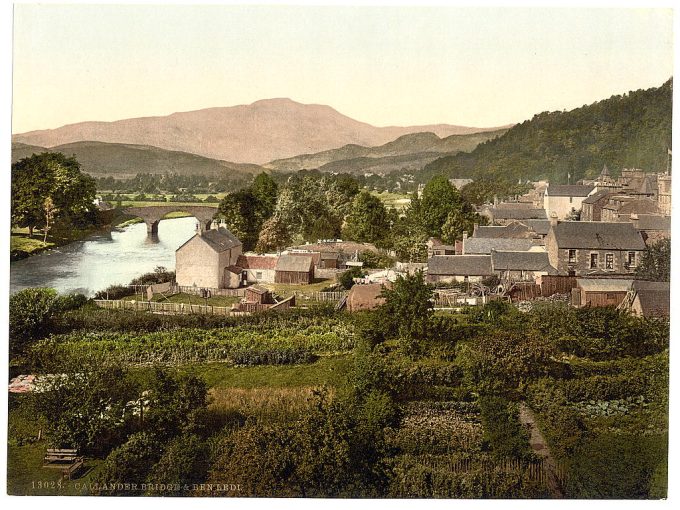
[[104, 259]]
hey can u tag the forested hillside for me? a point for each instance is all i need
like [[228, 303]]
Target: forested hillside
[[632, 130]]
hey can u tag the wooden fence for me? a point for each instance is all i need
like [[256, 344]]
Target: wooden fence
[[167, 308], [215, 292], [326, 297], [557, 285]]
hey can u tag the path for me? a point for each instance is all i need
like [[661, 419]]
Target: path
[[540, 447]]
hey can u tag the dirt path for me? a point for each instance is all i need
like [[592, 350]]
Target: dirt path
[[540, 447]]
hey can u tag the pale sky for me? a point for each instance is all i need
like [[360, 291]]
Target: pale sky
[[393, 65]]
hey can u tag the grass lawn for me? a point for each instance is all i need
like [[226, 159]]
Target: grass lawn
[[21, 245], [27, 477], [28, 244]]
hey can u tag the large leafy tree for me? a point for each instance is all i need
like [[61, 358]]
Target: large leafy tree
[[439, 199], [656, 262], [265, 191], [240, 211], [274, 235], [50, 177], [409, 235], [368, 221]]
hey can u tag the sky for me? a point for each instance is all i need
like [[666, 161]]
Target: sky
[[388, 65]]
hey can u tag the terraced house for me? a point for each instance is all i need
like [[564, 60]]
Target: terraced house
[[581, 248]]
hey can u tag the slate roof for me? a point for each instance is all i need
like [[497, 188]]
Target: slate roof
[[597, 196], [234, 269], [514, 230], [218, 239], [597, 235], [460, 265], [518, 213], [604, 284], [653, 222], [484, 245], [569, 190], [256, 262], [521, 261], [541, 227], [295, 263], [642, 206], [654, 297]]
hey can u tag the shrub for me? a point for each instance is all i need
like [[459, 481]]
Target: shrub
[[30, 311], [503, 434], [184, 462]]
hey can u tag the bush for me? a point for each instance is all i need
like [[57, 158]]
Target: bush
[[346, 279], [185, 462], [503, 434], [30, 311], [375, 260], [115, 292]]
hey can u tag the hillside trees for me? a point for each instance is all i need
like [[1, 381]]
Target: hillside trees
[[55, 179]]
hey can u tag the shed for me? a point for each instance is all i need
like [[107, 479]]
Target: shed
[[294, 269], [258, 294], [600, 291], [365, 297], [329, 260], [649, 299]]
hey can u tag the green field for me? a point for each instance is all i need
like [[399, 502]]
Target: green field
[[398, 201]]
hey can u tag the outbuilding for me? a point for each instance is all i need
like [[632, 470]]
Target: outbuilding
[[599, 291], [294, 269]]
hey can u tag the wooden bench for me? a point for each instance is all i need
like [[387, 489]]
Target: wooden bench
[[66, 459]]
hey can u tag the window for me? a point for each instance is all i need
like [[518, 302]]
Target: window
[[631, 258], [572, 256], [609, 261], [593, 260], [258, 275]]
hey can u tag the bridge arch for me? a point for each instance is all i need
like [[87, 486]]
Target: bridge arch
[[152, 215]]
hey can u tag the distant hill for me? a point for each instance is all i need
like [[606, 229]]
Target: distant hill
[[625, 131], [410, 152], [126, 160], [257, 133]]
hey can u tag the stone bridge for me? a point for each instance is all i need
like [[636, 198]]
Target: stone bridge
[[153, 214]]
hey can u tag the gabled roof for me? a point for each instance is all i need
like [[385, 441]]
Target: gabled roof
[[484, 245], [517, 213], [654, 298], [639, 206], [460, 265], [218, 239], [521, 261], [569, 190], [541, 227], [603, 193], [257, 261], [653, 222], [295, 263], [597, 235]]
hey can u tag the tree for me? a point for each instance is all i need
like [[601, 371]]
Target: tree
[[50, 211], [240, 211], [368, 220], [656, 262], [40, 176], [265, 191], [30, 311], [409, 236], [274, 235], [407, 311], [439, 199], [459, 221]]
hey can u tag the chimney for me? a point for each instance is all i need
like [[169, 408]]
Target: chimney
[[495, 200], [465, 235], [553, 219], [474, 229], [634, 218]]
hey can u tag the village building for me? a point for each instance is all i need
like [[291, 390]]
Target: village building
[[365, 297], [436, 246], [582, 248], [653, 227], [619, 208], [258, 268], [565, 200], [521, 265], [648, 299], [208, 260], [458, 268], [664, 193], [591, 206], [504, 213], [329, 260], [296, 269], [592, 292], [485, 245], [258, 294]]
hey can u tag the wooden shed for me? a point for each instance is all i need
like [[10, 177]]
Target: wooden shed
[[294, 269], [599, 291], [259, 295]]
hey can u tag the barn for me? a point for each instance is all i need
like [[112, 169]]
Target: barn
[[294, 269], [258, 268]]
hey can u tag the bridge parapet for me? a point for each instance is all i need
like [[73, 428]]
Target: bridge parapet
[[153, 214]]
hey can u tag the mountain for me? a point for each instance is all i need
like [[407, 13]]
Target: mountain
[[257, 133], [126, 160], [411, 152], [632, 130]]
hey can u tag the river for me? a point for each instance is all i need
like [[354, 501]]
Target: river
[[103, 259]]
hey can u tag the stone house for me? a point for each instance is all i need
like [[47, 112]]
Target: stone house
[[591, 206], [581, 248], [565, 199], [207, 259], [458, 268], [258, 268], [521, 265], [484, 245], [619, 208]]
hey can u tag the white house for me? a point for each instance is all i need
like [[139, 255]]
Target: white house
[[562, 200]]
